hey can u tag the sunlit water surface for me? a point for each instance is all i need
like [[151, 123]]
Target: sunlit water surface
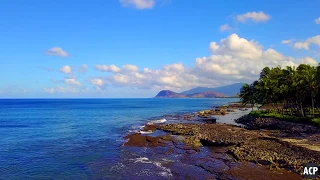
[[79, 138]]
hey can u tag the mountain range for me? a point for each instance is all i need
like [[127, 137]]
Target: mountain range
[[204, 92]]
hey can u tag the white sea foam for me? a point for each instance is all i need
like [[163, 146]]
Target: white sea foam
[[145, 132], [165, 172], [159, 121], [135, 129], [166, 160], [141, 160]]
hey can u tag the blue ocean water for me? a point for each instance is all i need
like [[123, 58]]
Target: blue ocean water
[[76, 138]]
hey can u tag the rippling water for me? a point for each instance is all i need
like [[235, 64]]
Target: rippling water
[[78, 138]]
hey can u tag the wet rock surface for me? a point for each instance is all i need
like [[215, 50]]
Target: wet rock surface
[[301, 135], [212, 134], [248, 145], [140, 140], [211, 162], [252, 171], [266, 147], [149, 127], [252, 122], [206, 113], [276, 153]]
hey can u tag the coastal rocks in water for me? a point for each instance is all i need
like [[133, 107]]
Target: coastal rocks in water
[[209, 120], [252, 122], [211, 134], [150, 127], [192, 141], [188, 116], [252, 171], [214, 166], [143, 141], [271, 151], [248, 145], [207, 113]]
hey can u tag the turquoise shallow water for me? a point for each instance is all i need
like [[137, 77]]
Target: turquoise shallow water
[[77, 138]]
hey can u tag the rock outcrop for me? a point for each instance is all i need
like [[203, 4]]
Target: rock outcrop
[[248, 145], [171, 94]]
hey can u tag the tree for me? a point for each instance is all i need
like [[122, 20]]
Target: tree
[[296, 88], [245, 94], [308, 82]]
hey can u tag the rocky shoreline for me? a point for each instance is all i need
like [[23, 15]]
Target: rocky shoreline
[[280, 147]]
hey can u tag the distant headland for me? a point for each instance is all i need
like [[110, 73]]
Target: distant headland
[[204, 92]]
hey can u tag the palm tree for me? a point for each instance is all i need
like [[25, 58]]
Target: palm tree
[[308, 81], [289, 86], [246, 95], [265, 72]]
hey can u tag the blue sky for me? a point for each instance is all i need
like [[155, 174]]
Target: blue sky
[[100, 49]]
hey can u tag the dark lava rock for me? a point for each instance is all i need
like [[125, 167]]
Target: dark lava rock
[[143, 141], [267, 151], [248, 145], [252, 122], [214, 166], [256, 172], [150, 127], [212, 134]]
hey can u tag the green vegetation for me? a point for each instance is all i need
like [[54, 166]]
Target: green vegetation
[[293, 93], [274, 114]]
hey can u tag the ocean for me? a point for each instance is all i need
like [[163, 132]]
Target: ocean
[[83, 138]]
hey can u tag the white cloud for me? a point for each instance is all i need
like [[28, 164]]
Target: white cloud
[[121, 79], [317, 21], [72, 81], [233, 59], [224, 27], [66, 69], [130, 68], [57, 51], [308, 60], [239, 47], [60, 89], [178, 67], [105, 68], [97, 81], [138, 4], [305, 44], [254, 16], [213, 46], [287, 41], [301, 45], [273, 55], [113, 68]]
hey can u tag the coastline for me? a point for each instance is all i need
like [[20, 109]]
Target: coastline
[[240, 147]]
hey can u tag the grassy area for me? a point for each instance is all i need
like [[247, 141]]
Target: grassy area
[[306, 120], [316, 121]]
